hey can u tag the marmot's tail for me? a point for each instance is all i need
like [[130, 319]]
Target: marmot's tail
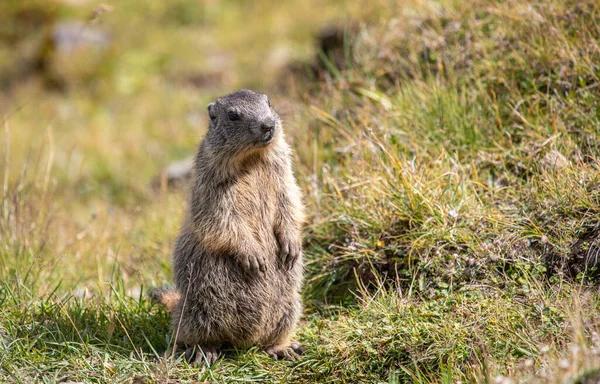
[[169, 297]]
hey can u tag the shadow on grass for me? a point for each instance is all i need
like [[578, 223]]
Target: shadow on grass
[[50, 328]]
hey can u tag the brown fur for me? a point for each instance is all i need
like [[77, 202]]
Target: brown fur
[[166, 297], [237, 261]]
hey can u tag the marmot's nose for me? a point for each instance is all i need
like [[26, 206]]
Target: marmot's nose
[[267, 127]]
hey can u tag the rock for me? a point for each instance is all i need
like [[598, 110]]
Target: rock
[[135, 293], [174, 175], [554, 160], [330, 50], [70, 36], [73, 52], [83, 293]]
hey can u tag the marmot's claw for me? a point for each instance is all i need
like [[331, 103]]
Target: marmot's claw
[[290, 352], [263, 266], [292, 256], [297, 347], [254, 263], [288, 252], [198, 355], [284, 251]]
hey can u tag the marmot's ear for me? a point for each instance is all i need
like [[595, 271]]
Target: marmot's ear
[[211, 112]]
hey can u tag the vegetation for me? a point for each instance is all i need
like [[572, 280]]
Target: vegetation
[[448, 152]]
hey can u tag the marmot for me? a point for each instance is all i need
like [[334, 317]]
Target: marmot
[[238, 265]]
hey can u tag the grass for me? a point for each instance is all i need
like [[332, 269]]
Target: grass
[[448, 153]]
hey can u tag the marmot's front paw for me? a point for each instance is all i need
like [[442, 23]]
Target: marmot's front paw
[[253, 263], [289, 249]]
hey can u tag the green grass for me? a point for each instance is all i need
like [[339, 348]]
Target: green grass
[[448, 153]]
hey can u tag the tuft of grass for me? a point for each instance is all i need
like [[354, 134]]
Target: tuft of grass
[[433, 170]]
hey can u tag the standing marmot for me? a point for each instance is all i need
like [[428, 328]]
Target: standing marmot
[[238, 258]]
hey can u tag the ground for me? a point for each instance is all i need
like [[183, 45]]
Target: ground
[[448, 153]]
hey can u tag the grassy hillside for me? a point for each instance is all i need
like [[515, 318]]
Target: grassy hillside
[[448, 152]]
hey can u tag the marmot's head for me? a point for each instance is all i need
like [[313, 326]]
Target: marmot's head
[[244, 120]]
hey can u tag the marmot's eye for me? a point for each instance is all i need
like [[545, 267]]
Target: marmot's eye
[[269, 101], [233, 116]]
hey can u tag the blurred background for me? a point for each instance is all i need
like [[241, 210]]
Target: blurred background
[[97, 98], [124, 86]]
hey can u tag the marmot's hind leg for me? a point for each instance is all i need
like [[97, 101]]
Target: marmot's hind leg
[[279, 346]]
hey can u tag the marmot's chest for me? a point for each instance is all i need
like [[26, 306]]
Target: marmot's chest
[[254, 195]]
